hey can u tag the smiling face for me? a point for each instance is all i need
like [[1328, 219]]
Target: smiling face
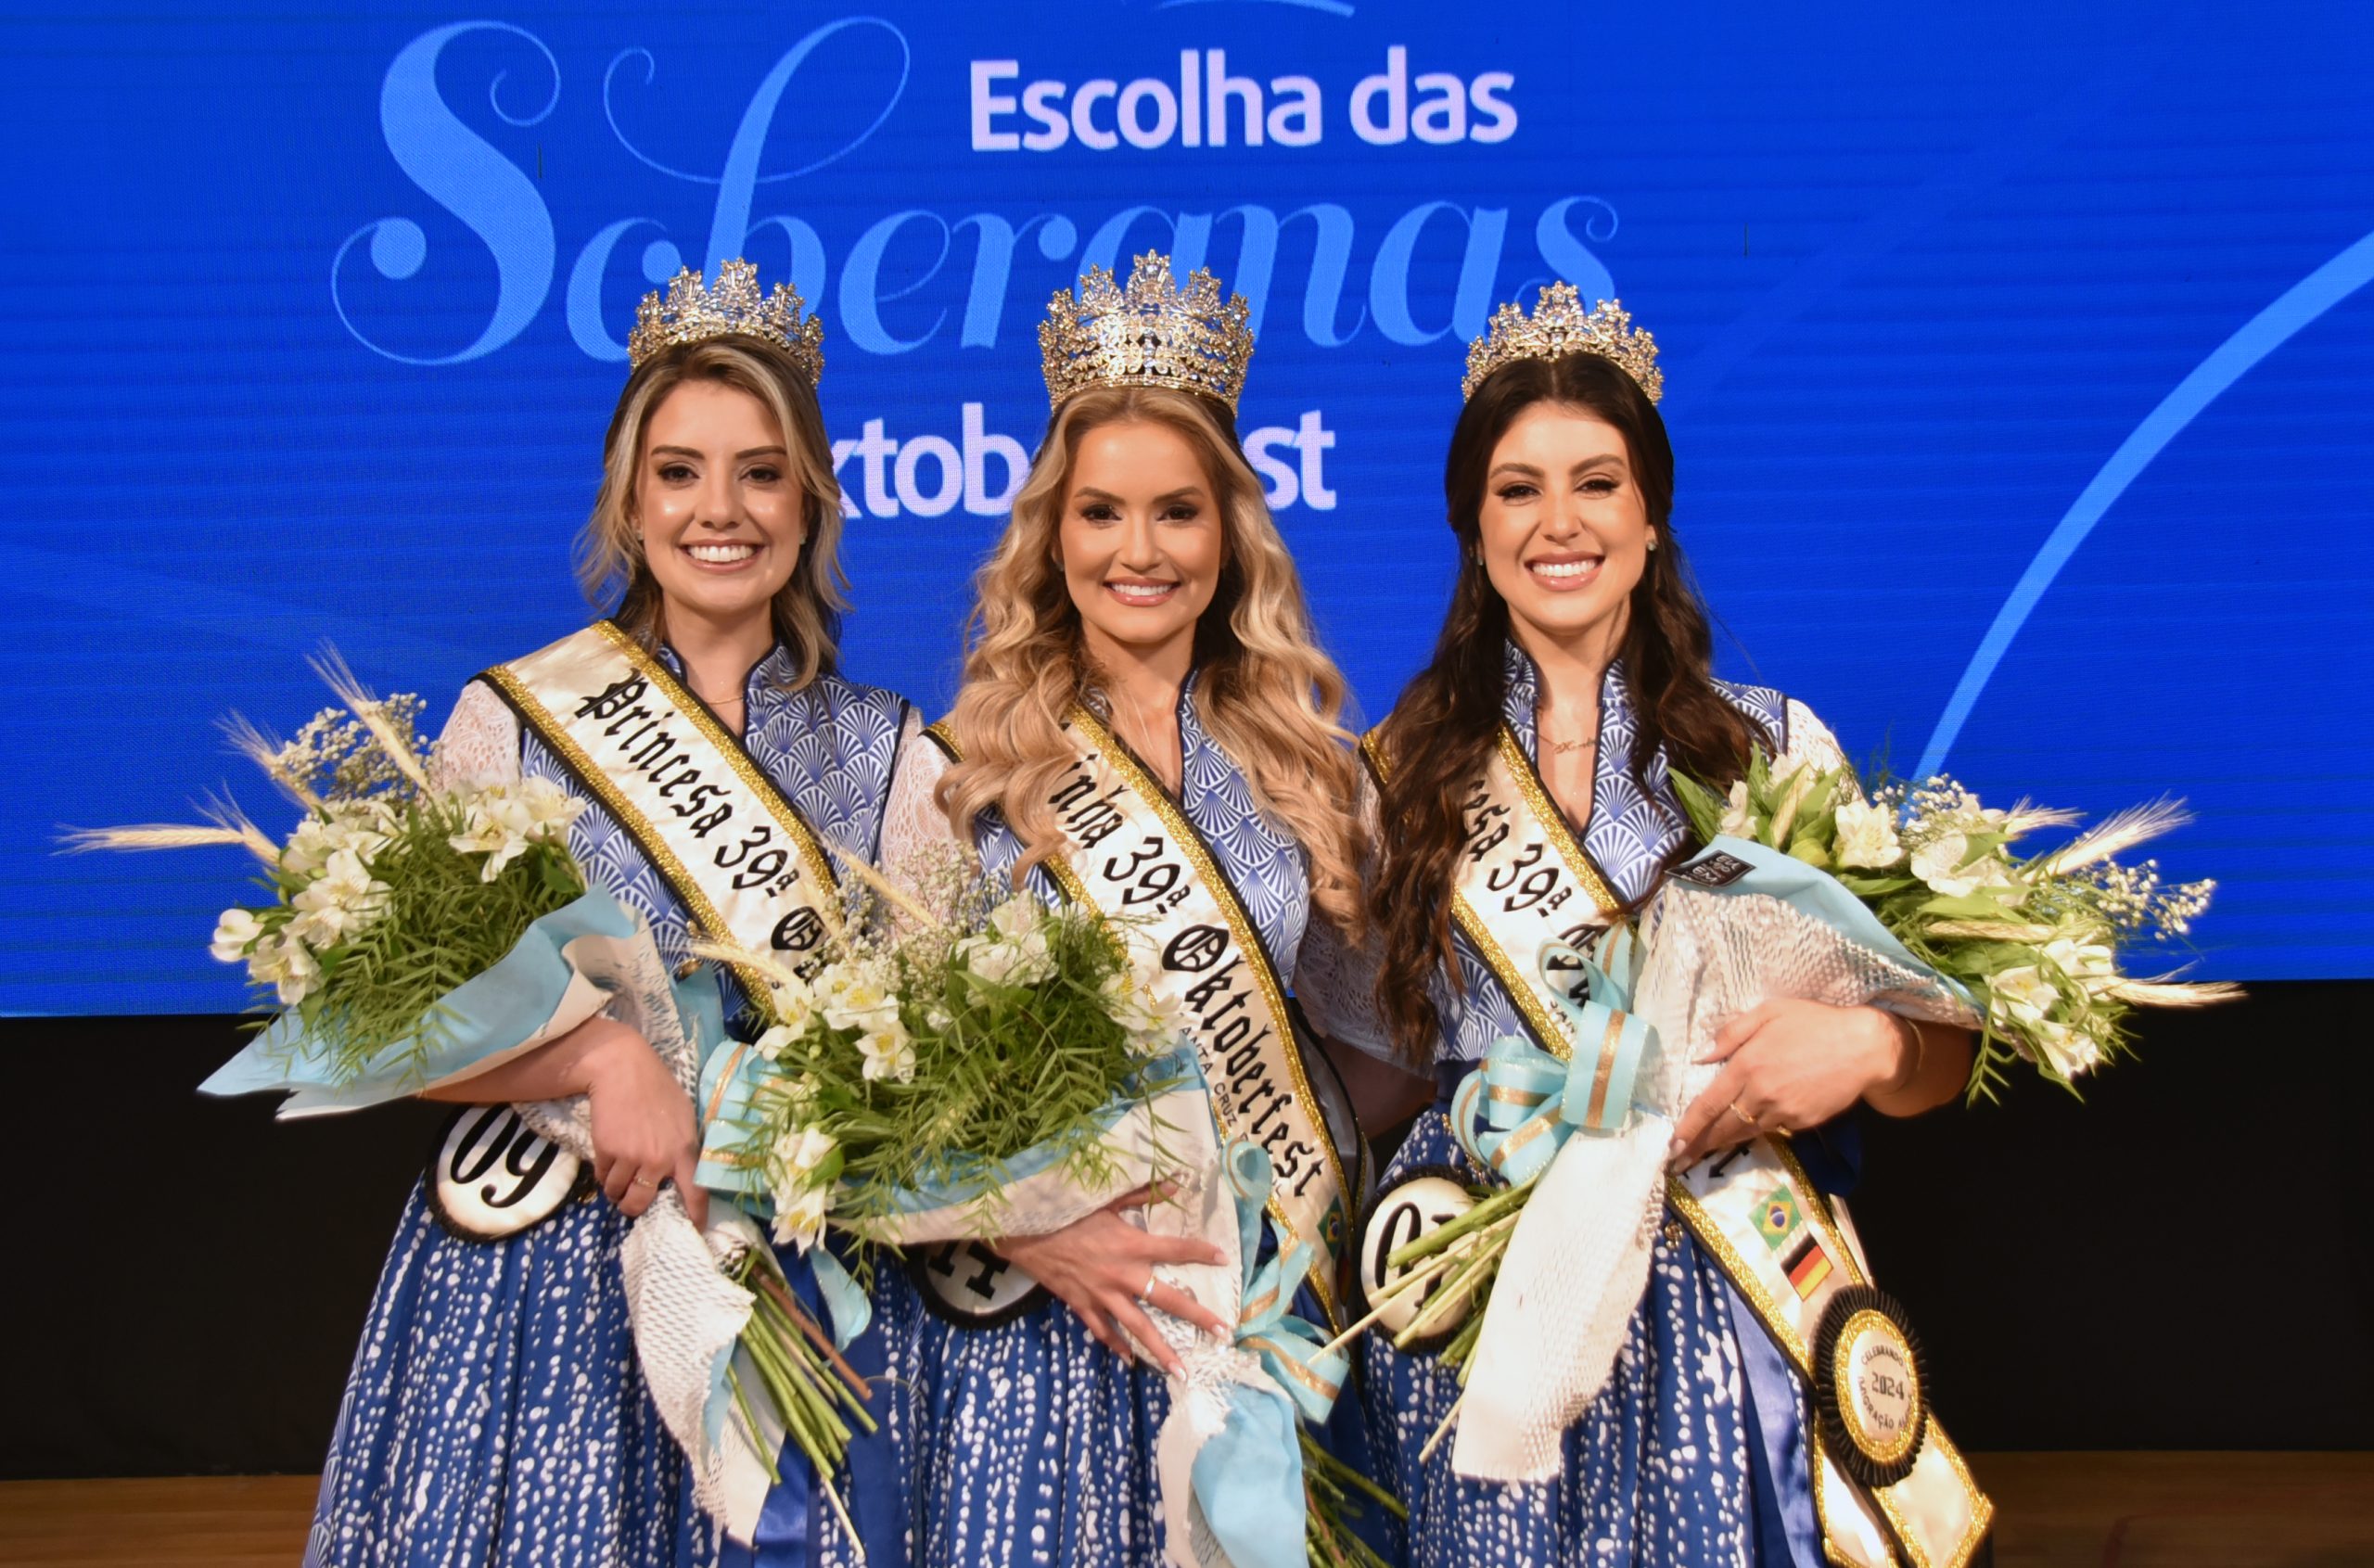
[[1564, 527], [722, 519], [1142, 540]]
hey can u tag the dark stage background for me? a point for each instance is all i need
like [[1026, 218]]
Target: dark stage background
[[2178, 1263]]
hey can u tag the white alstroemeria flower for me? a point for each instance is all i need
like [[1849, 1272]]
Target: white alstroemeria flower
[[1012, 950], [549, 810], [772, 1043], [308, 849], [498, 826], [858, 996], [1939, 863], [361, 830], [340, 902], [1015, 918], [888, 1053], [2071, 1051], [286, 965], [799, 1217], [1153, 1020], [233, 934], [1738, 820], [2085, 962], [795, 1003], [803, 1150], [2021, 998], [1867, 836]]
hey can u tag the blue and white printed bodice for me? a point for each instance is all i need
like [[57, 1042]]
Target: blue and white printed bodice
[[1628, 837], [1268, 870], [830, 747]]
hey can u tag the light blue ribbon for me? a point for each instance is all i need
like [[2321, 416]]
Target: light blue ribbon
[[1807, 890], [1247, 1477], [484, 1017], [1513, 1113]]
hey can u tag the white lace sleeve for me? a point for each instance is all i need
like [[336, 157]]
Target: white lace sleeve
[[481, 743], [1335, 977], [1810, 741], [912, 822]]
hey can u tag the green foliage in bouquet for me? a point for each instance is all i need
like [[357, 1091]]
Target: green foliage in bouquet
[[957, 1029], [2034, 940], [390, 892]]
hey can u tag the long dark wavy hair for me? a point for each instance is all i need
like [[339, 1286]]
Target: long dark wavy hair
[[1441, 730]]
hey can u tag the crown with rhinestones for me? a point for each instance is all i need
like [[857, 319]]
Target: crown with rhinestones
[[1560, 325], [692, 312], [1150, 334]]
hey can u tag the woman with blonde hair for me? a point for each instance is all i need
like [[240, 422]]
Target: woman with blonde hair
[[1145, 724], [497, 1412]]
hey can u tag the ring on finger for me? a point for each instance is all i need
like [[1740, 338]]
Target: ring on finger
[[650, 1182], [1145, 1297], [1744, 1117]]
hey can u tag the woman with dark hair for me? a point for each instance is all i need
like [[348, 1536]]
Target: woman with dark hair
[[497, 1410], [1523, 800]]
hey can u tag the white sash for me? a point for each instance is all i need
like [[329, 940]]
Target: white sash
[[740, 856], [1522, 880], [1134, 856]]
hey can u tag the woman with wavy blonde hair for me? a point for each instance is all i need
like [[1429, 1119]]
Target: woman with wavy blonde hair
[[498, 1409], [1145, 723]]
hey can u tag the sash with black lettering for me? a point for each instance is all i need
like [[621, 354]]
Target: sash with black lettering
[[1135, 856], [740, 856], [1522, 880]]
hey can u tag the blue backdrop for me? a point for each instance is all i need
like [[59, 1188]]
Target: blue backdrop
[[2017, 359]]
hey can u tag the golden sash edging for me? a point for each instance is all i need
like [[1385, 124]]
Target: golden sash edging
[[1265, 974], [516, 690]]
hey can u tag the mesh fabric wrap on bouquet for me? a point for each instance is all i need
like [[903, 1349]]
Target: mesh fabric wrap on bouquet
[[1578, 1264]]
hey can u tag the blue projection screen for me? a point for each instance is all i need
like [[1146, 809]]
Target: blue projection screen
[[2017, 360]]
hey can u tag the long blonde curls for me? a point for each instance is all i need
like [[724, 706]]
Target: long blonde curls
[[611, 564], [1265, 691]]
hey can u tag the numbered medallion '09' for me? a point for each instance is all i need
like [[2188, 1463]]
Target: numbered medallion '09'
[[1425, 1200], [970, 1286], [493, 1177]]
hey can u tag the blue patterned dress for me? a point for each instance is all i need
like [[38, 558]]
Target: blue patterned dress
[[1694, 1455], [1033, 1444], [496, 1412]]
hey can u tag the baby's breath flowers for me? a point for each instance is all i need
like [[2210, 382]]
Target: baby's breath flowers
[[2034, 940]]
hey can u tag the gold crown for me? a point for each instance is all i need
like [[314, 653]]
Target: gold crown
[[1560, 325], [692, 312], [1147, 335]]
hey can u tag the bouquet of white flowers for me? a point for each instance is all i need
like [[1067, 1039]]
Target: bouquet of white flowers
[[893, 1089], [418, 933], [388, 896], [2027, 946], [2033, 941]]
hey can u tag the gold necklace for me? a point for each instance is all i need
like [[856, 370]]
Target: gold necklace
[[1559, 748]]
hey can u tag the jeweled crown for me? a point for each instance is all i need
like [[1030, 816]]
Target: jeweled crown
[[1560, 325], [1149, 334], [692, 312]]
